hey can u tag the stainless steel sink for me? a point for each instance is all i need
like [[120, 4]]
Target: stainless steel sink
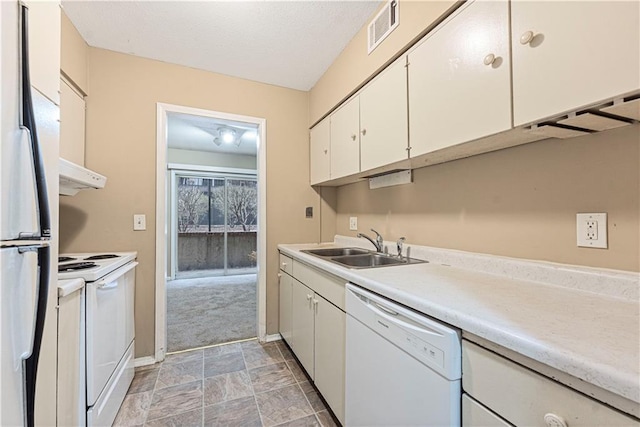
[[373, 260], [334, 252]]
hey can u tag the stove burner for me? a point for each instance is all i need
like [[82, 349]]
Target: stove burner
[[65, 258], [74, 266], [105, 256]]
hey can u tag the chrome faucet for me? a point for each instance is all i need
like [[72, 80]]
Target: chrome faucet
[[399, 246], [377, 243]]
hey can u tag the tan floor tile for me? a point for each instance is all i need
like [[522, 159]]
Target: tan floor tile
[[326, 419], [179, 373], [271, 377], [223, 364], [308, 421], [175, 399], [222, 349], [267, 355], [144, 380], [185, 419], [233, 413], [227, 387], [316, 402], [306, 387], [297, 371], [283, 405], [133, 410], [187, 356]]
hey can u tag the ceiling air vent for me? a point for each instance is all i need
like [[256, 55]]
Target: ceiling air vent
[[382, 25]]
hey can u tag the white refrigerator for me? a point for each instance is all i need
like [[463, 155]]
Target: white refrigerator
[[29, 129]]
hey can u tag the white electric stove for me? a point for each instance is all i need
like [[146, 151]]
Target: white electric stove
[[110, 327], [91, 266]]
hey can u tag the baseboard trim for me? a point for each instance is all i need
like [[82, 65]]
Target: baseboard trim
[[272, 337], [144, 361]]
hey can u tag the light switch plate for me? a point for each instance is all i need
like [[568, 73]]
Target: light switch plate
[[353, 223], [139, 222], [591, 229]]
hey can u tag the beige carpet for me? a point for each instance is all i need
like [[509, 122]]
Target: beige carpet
[[212, 310]]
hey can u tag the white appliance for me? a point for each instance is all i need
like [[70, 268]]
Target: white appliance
[[74, 178], [402, 368], [29, 131], [72, 402], [110, 327]]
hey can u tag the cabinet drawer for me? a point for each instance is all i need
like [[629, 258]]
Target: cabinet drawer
[[524, 397], [476, 415], [286, 264], [330, 287]]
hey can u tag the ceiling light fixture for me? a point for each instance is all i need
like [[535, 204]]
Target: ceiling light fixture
[[228, 136]]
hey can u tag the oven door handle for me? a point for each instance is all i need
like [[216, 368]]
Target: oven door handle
[[102, 284]]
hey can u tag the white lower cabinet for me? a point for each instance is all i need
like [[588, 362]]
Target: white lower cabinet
[[523, 397], [329, 344], [313, 323], [302, 325], [286, 289], [476, 415]]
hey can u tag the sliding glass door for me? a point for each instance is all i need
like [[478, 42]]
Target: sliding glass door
[[214, 224]]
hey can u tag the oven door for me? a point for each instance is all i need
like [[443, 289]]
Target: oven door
[[109, 311]]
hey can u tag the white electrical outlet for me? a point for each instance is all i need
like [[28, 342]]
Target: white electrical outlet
[[591, 230], [139, 222], [353, 223]]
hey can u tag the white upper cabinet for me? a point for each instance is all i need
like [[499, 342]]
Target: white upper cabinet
[[345, 139], [384, 118], [568, 54], [44, 47], [459, 79], [72, 123], [320, 144]]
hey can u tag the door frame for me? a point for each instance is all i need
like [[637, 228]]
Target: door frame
[[162, 204]]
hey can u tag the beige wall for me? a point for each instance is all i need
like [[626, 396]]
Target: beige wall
[[73, 54], [519, 202], [121, 144], [207, 158], [354, 66]]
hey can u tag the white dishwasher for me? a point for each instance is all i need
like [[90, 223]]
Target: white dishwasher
[[402, 368]]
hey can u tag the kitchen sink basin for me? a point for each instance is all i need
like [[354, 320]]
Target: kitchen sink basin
[[360, 258], [373, 260], [334, 252]]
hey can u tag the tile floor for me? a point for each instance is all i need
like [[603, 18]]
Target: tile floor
[[239, 384]]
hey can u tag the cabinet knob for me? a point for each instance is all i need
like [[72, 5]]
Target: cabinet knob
[[363, 132], [284, 265], [526, 37], [553, 420], [326, 151], [309, 297], [353, 137], [489, 59]]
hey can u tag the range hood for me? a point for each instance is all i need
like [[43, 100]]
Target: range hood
[[74, 178]]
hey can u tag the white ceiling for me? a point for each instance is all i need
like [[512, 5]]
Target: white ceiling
[[285, 43], [188, 132]]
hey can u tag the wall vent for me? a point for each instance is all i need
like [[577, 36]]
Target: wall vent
[[382, 25]]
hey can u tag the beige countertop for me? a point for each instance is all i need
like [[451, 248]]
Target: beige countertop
[[589, 336]]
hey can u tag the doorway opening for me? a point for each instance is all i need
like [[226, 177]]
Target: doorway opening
[[213, 290]]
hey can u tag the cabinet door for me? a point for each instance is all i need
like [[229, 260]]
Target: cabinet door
[[72, 119], [345, 139], [582, 52], [44, 47], [286, 283], [383, 118], [330, 354], [459, 79], [476, 415], [319, 168], [302, 325]]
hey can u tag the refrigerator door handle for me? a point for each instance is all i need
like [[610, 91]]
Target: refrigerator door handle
[[29, 124]]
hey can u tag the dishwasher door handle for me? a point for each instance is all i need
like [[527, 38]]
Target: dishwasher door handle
[[385, 309]]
